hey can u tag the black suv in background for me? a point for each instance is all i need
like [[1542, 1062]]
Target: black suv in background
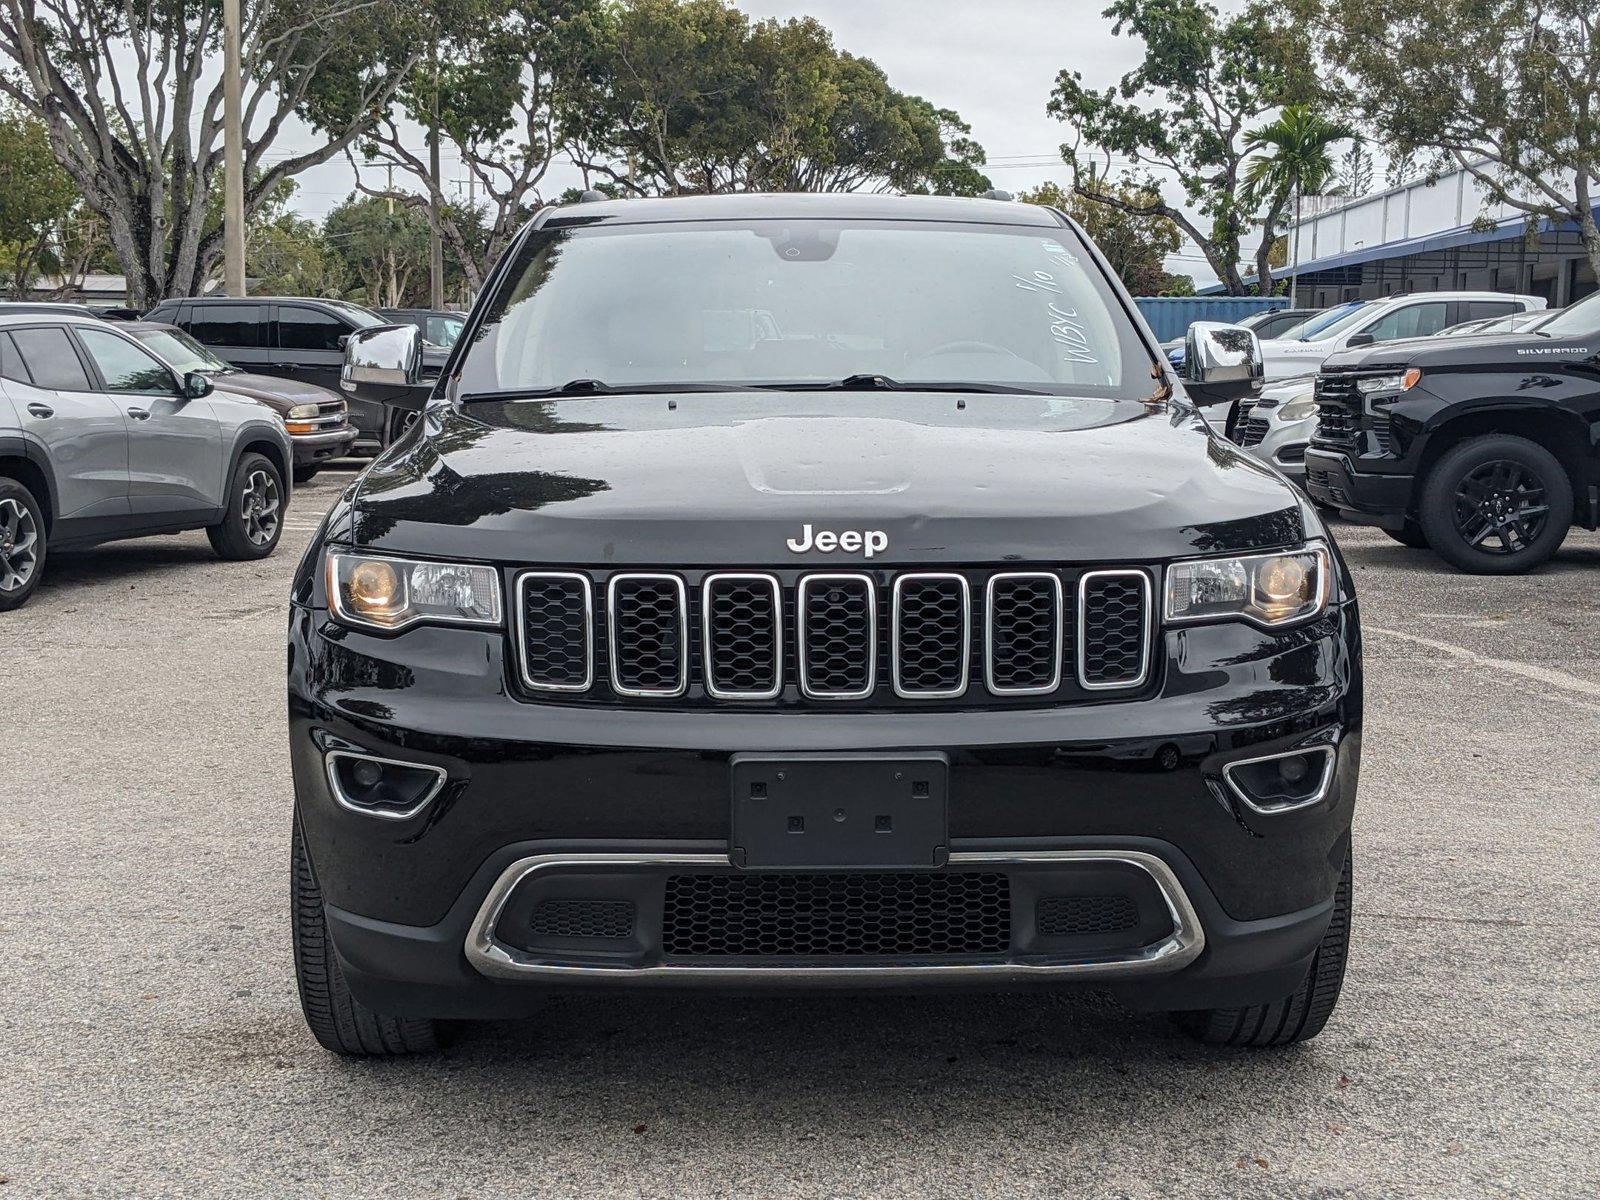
[[816, 591], [1485, 448], [294, 338]]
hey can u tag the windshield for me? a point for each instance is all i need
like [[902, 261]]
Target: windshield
[[180, 351], [1581, 320], [1331, 323], [806, 302], [443, 331], [362, 318]]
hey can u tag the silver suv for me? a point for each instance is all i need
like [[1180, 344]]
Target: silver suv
[[100, 440]]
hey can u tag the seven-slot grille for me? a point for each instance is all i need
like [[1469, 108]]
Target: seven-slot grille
[[792, 636], [1338, 411]]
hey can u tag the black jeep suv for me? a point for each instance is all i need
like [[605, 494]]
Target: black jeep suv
[[1485, 448], [817, 591]]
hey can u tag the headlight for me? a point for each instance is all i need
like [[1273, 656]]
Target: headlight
[[391, 593], [302, 412], [1401, 382], [1298, 410], [1267, 589]]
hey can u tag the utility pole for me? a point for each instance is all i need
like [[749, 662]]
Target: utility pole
[[232, 154], [435, 242]]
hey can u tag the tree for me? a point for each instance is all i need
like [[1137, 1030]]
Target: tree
[[384, 245], [494, 87], [1184, 111], [1502, 89], [1289, 157], [1136, 245], [686, 96], [1355, 170], [132, 100], [36, 198], [291, 257]]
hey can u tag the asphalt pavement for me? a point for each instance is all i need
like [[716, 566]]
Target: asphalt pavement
[[151, 1044]]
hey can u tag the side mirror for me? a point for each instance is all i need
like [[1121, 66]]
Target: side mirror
[[196, 385], [1360, 339], [1221, 362], [383, 356]]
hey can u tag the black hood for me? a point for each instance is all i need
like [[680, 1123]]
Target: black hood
[[731, 478], [275, 393], [1484, 350]]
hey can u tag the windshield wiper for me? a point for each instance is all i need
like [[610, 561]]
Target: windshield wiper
[[596, 387], [868, 381]]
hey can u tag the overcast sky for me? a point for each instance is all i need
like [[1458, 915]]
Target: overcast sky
[[993, 61]]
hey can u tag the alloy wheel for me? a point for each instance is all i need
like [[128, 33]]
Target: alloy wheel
[[19, 545], [1501, 507], [259, 507]]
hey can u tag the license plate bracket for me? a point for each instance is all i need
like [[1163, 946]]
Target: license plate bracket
[[819, 811]]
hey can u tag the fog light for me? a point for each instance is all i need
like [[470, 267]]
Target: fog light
[[1278, 783], [382, 787]]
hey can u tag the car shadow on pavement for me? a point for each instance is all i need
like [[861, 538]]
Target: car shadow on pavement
[[830, 1066], [122, 561]]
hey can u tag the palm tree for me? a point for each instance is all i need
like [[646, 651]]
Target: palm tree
[[1295, 159]]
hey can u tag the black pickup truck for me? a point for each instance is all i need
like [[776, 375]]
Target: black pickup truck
[[1486, 449]]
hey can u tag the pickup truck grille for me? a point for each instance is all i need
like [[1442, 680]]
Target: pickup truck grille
[[1249, 430], [1338, 412], [821, 638]]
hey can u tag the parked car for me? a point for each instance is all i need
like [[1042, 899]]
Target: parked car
[[439, 327], [1275, 426], [64, 308], [317, 419], [1272, 323], [1514, 323], [1485, 449], [101, 440], [1377, 321], [793, 591], [291, 337]]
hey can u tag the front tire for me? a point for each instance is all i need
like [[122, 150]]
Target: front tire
[[305, 474], [22, 544], [339, 1021], [1299, 1016], [1496, 505], [252, 523]]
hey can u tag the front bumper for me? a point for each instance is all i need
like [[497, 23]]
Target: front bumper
[[320, 447], [1372, 499], [414, 904]]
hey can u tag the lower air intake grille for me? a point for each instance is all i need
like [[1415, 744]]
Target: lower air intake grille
[[743, 650], [582, 919], [1024, 627], [838, 645], [1074, 916], [555, 613], [932, 638], [904, 914], [648, 617], [1114, 629]]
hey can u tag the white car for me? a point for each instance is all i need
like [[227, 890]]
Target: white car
[[1275, 425], [1364, 323]]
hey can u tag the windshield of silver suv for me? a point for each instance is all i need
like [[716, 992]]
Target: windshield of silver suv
[[805, 303], [182, 353]]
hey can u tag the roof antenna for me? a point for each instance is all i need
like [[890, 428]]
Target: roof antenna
[[996, 194]]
